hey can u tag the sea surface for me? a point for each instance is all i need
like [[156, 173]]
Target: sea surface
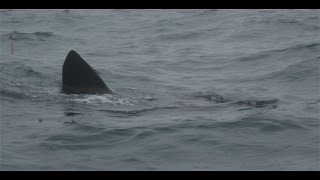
[[198, 89]]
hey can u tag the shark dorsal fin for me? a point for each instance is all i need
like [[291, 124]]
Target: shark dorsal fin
[[78, 77]]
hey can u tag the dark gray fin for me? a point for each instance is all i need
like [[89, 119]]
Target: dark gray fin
[[78, 77]]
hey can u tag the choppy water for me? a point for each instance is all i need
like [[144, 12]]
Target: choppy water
[[194, 90]]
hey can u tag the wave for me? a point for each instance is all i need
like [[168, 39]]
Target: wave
[[262, 123], [252, 102], [20, 70], [12, 94], [315, 102], [310, 47], [258, 103], [256, 121], [298, 71], [83, 136], [76, 126], [208, 12], [168, 22], [78, 136], [187, 52], [314, 46], [129, 113], [135, 112], [285, 19], [29, 72]]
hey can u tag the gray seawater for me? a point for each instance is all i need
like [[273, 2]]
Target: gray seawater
[[194, 90]]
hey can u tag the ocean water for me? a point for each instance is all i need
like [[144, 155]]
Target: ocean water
[[194, 90]]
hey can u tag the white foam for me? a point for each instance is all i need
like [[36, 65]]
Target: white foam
[[101, 99]]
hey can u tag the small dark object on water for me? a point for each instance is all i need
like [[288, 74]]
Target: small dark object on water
[[11, 44]]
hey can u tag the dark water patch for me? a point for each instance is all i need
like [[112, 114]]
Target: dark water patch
[[315, 102], [176, 37], [209, 12], [201, 139], [314, 47], [31, 72], [121, 131], [66, 18], [121, 11], [44, 34], [168, 23], [277, 19], [137, 112], [211, 96], [75, 126], [23, 36], [255, 57], [129, 113], [61, 146], [257, 103], [244, 124], [286, 19], [186, 52], [262, 123], [144, 134], [71, 113], [164, 129], [294, 72]]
